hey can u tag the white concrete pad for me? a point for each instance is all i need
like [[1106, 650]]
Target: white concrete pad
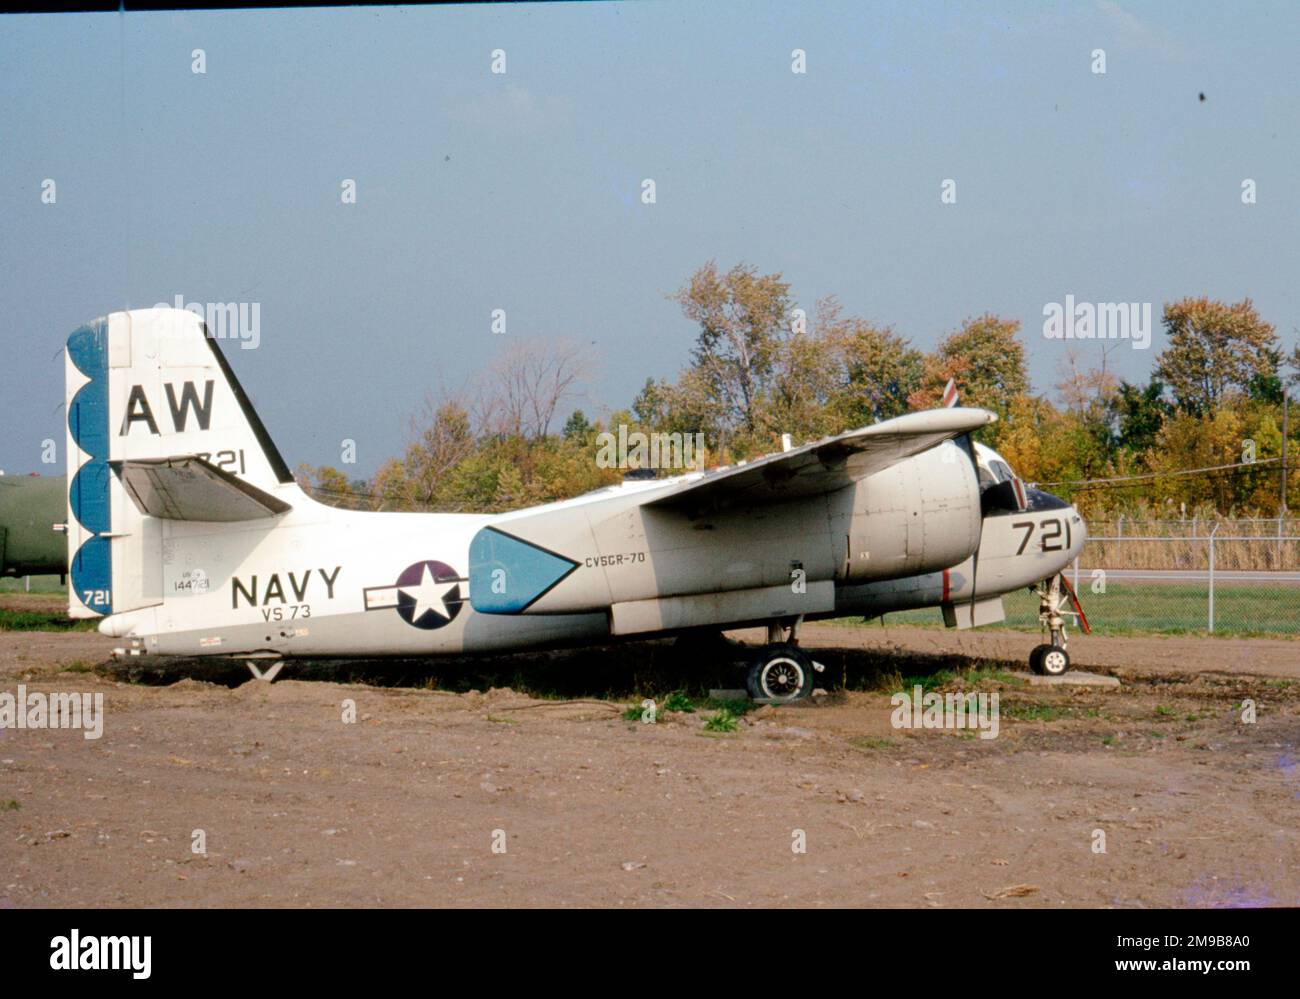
[[1071, 678]]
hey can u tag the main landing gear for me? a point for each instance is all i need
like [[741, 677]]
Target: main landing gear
[[780, 671], [1054, 594]]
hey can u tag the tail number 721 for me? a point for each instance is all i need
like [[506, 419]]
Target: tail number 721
[[1050, 538]]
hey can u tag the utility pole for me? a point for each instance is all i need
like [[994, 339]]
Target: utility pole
[[1281, 510], [1286, 412]]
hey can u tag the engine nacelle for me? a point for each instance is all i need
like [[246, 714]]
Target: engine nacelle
[[920, 515]]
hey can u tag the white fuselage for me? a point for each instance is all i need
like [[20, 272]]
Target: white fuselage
[[328, 582]]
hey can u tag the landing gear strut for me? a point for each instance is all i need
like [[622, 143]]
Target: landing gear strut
[[781, 671], [1054, 595]]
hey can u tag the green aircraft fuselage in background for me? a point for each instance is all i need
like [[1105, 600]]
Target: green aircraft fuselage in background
[[30, 506]]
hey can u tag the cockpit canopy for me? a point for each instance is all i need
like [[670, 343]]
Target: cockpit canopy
[[998, 494], [993, 468]]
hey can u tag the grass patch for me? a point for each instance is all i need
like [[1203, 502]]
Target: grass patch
[[31, 620], [1035, 712], [975, 678], [927, 683], [9, 806], [679, 702], [867, 742], [1138, 608], [723, 721]]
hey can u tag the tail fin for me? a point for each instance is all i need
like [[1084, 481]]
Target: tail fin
[[141, 386]]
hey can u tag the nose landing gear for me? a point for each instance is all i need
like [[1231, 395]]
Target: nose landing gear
[[1053, 596]]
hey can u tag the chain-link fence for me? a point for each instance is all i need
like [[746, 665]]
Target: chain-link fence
[[1223, 576]]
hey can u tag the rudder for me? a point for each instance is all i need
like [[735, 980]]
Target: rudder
[[146, 384]]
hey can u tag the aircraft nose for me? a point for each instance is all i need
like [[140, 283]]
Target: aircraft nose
[[1078, 530]]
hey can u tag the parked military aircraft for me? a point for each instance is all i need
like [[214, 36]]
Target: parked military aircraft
[[188, 534], [31, 525]]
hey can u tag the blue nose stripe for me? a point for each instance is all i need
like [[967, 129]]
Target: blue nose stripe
[[507, 574]]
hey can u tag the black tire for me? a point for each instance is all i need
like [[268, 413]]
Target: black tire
[[1036, 658], [781, 673], [1054, 662]]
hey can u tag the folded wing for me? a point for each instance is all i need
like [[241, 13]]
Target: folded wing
[[826, 465]]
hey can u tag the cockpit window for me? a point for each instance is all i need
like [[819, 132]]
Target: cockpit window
[[994, 473]]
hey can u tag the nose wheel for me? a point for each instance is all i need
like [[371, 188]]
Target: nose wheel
[[1049, 660], [1056, 599]]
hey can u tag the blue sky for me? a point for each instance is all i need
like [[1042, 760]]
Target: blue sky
[[522, 191]]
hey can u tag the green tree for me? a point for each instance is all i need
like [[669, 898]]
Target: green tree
[[445, 439], [873, 370], [986, 360], [576, 426], [1266, 385], [1140, 413]]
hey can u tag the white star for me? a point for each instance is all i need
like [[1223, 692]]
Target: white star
[[428, 595]]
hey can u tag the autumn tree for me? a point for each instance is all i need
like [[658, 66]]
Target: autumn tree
[[742, 318], [332, 487], [1213, 349], [854, 372], [1191, 440], [1090, 396], [986, 360]]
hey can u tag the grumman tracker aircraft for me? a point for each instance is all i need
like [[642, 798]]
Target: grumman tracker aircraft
[[188, 535]]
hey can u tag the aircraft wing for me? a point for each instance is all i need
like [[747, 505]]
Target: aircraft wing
[[188, 488], [825, 465]]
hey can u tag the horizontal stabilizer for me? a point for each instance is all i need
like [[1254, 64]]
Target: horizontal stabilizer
[[188, 488], [825, 465]]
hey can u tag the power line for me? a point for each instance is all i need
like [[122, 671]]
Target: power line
[[1160, 475], [360, 495]]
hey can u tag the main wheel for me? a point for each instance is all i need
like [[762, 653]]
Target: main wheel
[[1054, 661], [780, 673], [1036, 657]]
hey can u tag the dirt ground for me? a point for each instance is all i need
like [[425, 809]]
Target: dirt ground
[[404, 806]]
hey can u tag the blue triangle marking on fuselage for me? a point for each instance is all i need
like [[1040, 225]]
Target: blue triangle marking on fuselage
[[507, 574]]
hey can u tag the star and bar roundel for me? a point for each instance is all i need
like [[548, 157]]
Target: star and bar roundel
[[507, 575], [427, 595]]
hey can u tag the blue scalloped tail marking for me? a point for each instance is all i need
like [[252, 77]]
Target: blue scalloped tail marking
[[88, 491]]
